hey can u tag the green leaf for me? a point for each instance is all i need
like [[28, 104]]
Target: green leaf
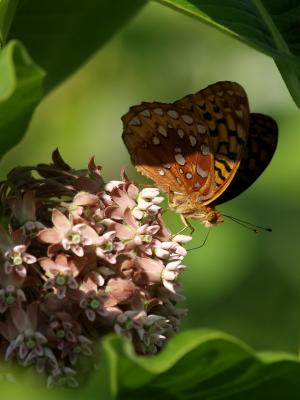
[[61, 34], [270, 26], [198, 364], [20, 91], [202, 365]]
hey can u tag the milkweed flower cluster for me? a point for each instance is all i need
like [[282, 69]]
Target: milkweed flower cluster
[[81, 259]]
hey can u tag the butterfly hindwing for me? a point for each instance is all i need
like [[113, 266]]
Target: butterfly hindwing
[[259, 150]]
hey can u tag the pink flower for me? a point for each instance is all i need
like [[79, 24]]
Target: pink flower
[[14, 250], [120, 291], [128, 322], [83, 205], [63, 330], [69, 236], [136, 235], [15, 260], [92, 300], [62, 273], [151, 268], [89, 259], [65, 333], [123, 196], [170, 274], [152, 330], [11, 296], [147, 202], [154, 333], [107, 248], [169, 250], [26, 343], [92, 303]]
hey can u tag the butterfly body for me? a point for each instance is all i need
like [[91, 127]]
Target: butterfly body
[[202, 150], [187, 207]]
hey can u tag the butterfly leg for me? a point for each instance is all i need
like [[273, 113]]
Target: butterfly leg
[[187, 225]]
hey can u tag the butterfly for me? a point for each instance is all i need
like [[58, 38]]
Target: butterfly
[[203, 150]]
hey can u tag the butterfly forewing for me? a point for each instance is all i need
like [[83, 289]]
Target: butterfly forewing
[[171, 146], [259, 150]]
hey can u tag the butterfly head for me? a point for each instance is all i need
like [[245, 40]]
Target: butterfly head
[[189, 208]]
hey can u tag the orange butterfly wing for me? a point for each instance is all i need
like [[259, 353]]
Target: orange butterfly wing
[[224, 107], [170, 146], [193, 146]]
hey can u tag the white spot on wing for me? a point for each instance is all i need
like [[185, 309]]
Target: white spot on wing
[[188, 175], [193, 140], [135, 122], [173, 114], [162, 131], [205, 149], [177, 149], [168, 166], [201, 172], [146, 113], [161, 172], [178, 181], [180, 133], [201, 129], [187, 119], [155, 140], [179, 158], [181, 170], [159, 111], [197, 185]]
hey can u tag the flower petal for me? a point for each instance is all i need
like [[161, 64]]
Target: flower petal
[[182, 238], [60, 221], [149, 193], [151, 268], [49, 235], [85, 199], [120, 289], [28, 258]]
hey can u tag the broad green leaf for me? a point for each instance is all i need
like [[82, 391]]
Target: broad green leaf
[[61, 34], [199, 364], [202, 365], [270, 26], [20, 91]]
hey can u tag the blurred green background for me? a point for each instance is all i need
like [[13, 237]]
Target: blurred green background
[[244, 283]]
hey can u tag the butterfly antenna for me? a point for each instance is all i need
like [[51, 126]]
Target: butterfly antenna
[[203, 243], [248, 225]]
